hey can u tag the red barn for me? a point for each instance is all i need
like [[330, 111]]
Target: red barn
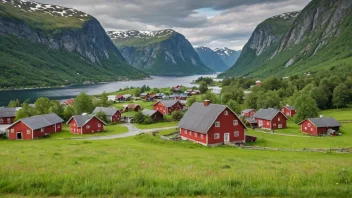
[[69, 102], [112, 114], [35, 127], [270, 119], [168, 106], [133, 107], [248, 113], [7, 115], [212, 124], [320, 126], [85, 124], [288, 111], [155, 115]]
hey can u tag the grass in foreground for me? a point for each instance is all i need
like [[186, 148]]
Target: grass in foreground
[[156, 125], [109, 130], [146, 166]]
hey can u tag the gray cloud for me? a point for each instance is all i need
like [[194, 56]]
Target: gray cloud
[[231, 26]]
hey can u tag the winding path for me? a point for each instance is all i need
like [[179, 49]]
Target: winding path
[[132, 131]]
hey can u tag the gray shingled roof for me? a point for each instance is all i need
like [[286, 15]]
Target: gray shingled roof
[[148, 112], [251, 120], [323, 122], [200, 118], [247, 110], [266, 114], [41, 121], [109, 111], [290, 108], [81, 120], [168, 103], [7, 112]]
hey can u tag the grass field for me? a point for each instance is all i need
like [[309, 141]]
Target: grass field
[[156, 125], [109, 130], [344, 114]]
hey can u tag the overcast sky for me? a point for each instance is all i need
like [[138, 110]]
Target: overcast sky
[[211, 23]]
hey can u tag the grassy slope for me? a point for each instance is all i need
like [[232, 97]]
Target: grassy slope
[[140, 42]]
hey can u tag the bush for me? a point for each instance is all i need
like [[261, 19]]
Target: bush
[[147, 120], [138, 118], [177, 115]]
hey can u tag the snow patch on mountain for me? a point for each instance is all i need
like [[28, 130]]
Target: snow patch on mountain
[[286, 16], [140, 34]]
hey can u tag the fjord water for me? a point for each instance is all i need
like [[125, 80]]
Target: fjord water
[[73, 91]]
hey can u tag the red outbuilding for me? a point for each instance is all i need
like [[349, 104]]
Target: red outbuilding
[[212, 124], [112, 114], [35, 127], [257, 83], [270, 119], [248, 112], [168, 106], [69, 102], [154, 114], [132, 107], [288, 111], [85, 124], [320, 126], [7, 115]]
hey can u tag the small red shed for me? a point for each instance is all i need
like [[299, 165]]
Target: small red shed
[[288, 111], [69, 102], [155, 115], [212, 124], [168, 106], [112, 114], [270, 119], [320, 126], [35, 127], [85, 124], [248, 112], [7, 115], [133, 107]]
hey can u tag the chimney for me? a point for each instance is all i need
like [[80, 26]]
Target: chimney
[[321, 116], [206, 103]]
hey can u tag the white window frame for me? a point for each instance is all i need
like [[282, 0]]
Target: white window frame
[[99, 125], [278, 119], [42, 130], [236, 134], [235, 122], [195, 134], [274, 124], [190, 133], [1, 120], [226, 113], [216, 136], [12, 130], [311, 129], [201, 136], [28, 132], [88, 127], [308, 124], [185, 131], [305, 128], [217, 124], [58, 126], [8, 120]]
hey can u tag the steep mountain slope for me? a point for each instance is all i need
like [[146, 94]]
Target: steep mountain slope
[[229, 56], [164, 52], [46, 45], [319, 39], [211, 59]]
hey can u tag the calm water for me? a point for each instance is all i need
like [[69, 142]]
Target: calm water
[[72, 91]]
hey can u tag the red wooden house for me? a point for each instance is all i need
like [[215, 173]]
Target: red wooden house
[[168, 106], [85, 124], [155, 115], [257, 83], [270, 119], [35, 127], [7, 115], [112, 114], [288, 111], [212, 124], [248, 112], [69, 102], [132, 107], [320, 126]]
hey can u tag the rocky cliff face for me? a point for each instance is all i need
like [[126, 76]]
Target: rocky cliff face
[[211, 59], [164, 52], [299, 42], [227, 55], [62, 29]]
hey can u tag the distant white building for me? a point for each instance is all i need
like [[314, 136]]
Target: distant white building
[[112, 97]]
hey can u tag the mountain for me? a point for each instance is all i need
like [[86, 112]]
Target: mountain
[[229, 56], [163, 52], [211, 59], [316, 39], [49, 45]]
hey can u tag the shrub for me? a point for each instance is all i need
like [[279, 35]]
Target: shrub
[[177, 115], [147, 120]]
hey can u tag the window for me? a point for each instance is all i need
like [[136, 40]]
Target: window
[[58, 126], [1, 120], [267, 123], [185, 131], [236, 134], [74, 124], [278, 119], [216, 136], [217, 124], [311, 129], [99, 125], [308, 124], [88, 126], [274, 124], [226, 113], [42, 130], [28, 132], [12, 130], [305, 128], [190, 133], [201, 136], [235, 122], [195, 134], [8, 120]]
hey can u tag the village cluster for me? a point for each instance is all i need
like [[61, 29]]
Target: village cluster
[[204, 123]]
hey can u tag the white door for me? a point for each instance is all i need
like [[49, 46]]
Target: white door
[[280, 126], [226, 137], [260, 123]]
